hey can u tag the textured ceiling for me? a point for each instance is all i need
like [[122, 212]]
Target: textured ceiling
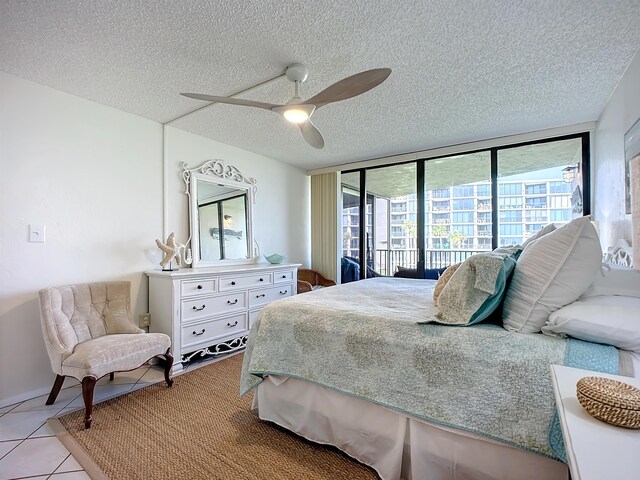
[[462, 71]]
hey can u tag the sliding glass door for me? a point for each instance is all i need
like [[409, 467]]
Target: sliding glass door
[[385, 237], [416, 217], [393, 243]]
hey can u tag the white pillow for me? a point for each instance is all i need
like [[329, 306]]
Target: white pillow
[[612, 320], [615, 280], [541, 233], [551, 272]]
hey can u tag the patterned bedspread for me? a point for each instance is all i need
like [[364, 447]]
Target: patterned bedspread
[[362, 339]]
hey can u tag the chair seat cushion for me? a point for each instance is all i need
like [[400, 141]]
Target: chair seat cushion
[[114, 353]]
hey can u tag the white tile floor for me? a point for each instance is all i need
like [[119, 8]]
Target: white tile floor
[[29, 449]]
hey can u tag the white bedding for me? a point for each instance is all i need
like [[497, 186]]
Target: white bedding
[[396, 446], [411, 447]]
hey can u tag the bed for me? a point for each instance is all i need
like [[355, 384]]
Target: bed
[[350, 366]]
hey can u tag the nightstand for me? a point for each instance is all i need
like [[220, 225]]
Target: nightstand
[[595, 450]]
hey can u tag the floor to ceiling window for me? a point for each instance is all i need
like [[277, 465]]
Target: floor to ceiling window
[[538, 184], [457, 208], [431, 213]]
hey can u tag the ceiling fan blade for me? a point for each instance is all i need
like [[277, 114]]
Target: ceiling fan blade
[[350, 87], [311, 134], [232, 101]]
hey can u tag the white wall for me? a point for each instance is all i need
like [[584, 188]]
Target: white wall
[[620, 113], [281, 212], [94, 176]]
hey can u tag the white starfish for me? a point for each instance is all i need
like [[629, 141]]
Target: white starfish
[[170, 249]]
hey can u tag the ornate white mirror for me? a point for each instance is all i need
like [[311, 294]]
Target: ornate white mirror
[[220, 213]]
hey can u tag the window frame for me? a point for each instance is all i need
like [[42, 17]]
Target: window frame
[[421, 211]]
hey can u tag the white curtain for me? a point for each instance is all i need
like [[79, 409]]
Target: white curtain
[[325, 224]]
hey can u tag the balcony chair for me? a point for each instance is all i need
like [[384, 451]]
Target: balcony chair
[[309, 280], [89, 333]]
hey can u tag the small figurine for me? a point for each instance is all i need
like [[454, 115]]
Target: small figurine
[[173, 250]]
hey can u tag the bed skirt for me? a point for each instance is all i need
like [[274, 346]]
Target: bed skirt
[[393, 444]]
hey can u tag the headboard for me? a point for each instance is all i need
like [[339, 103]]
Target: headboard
[[620, 254]]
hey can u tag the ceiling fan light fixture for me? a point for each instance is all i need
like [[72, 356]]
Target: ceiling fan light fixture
[[296, 115]]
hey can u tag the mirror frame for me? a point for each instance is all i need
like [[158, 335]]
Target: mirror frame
[[218, 172]]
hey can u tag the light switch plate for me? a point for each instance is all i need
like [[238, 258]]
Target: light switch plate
[[36, 233]]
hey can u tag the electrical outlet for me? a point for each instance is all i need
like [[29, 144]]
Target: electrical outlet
[[144, 319]]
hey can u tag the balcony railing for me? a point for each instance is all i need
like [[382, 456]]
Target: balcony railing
[[387, 261]]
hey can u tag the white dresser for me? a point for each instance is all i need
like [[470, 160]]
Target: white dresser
[[207, 311]]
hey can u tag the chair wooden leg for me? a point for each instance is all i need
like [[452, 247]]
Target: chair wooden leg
[[55, 390], [88, 384], [112, 376], [167, 367]]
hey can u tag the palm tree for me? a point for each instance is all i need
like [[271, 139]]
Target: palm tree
[[456, 238], [410, 229], [439, 232]]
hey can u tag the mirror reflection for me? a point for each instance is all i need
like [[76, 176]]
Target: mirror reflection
[[223, 221], [221, 202]]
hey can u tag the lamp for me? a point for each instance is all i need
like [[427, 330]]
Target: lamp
[[569, 173]]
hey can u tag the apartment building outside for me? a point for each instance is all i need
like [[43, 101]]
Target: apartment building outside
[[458, 221]]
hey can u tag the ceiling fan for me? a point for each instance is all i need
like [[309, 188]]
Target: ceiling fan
[[299, 112]]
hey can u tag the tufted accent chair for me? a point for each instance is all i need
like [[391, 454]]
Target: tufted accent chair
[[89, 333]]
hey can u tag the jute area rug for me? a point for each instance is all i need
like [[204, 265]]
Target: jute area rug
[[198, 429]]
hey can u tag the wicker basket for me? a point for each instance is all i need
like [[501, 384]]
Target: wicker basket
[[611, 401]]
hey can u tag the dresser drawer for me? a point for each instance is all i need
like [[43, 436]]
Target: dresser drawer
[[245, 281], [253, 316], [206, 306], [283, 276], [210, 330], [197, 287], [268, 295]]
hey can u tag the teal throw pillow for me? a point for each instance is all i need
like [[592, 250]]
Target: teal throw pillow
[[476, 289]]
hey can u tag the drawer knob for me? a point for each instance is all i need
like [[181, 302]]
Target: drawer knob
[[233, 283], [198, 309], [260, 296], [232, 303], [230, 325], [284, 276], [197, 334], [283, 293], [199, 287], [262, 279]]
